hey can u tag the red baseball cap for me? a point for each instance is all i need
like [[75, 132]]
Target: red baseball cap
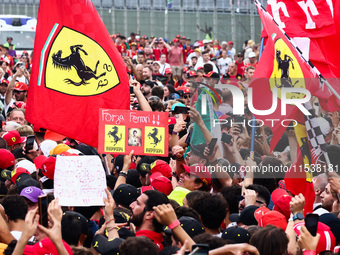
[[162, 167], [178, 36], [281, 201], [4, 81], [175, 40], [48, 167], [212, 74], [168, 70], [38, 161], [161, 183], [13, 137], [327, 240], [13, 175], [230, 42], [265, 217], [7, 159], [50, 135], [186, 90], [199, 171], [191, 73], [20, 86]]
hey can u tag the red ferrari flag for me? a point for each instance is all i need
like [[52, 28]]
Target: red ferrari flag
[[76, 70], [282, 74]]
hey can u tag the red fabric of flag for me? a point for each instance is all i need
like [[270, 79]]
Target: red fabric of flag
[[76, 70], [280, 66]]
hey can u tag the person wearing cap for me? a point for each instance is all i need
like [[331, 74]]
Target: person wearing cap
[[240, 64], [205, 60], [31, 194], [224, 62], [231, 50], [231, 74], [17, 86], [147, 88], [132, 51], [160, 46], [3, 89], [187, 50], [120, 45], [176, 59], [13, 139], [252, 60]]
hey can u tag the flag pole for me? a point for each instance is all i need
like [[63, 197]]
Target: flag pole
[[252, 143], [300, 53]]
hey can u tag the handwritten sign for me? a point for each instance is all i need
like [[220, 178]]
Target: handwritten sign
[[146, 133], [79, 181]]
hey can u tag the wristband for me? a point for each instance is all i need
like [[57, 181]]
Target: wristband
[[121, 173], [174, 224], [115, 227], [308, 252], [107, 222], [174, 133]]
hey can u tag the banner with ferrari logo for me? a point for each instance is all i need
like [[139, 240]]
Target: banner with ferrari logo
[[147, 133], [76, 70]]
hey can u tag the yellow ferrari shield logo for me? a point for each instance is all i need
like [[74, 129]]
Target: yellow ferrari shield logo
[[77, 65], [287, 72], [154, 140], [114, 138]]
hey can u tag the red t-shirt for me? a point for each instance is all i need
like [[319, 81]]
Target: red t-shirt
[[240, 68], [186, 53], [121, 48]]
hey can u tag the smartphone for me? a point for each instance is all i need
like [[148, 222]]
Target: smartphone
[[124, 54], [211, 145], [43, 204], [200, 249], [29, 143], [181, 110], [131, 90], [239, 119], [226, 138], [311, 223]]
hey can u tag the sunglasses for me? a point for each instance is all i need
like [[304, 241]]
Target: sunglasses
[[186, 96], [17, 91], [240, 198]]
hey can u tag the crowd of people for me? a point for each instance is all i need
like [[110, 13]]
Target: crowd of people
[[171, 204]]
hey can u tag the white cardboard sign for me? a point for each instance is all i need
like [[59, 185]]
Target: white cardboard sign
[[79, 181]]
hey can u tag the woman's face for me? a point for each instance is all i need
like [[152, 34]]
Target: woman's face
[[166, 91]]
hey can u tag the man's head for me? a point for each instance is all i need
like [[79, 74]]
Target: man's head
[[15, 208], [205, 56], [239, 57], [155, 67], [262, 196], [194, 60], [252, 58], [176, 42], [143, 215], [140, 57], [249, 72], [20, 91], [230, 45], [147, 88], [147, 73], [139, 69], [232, 69], [18, 116], [3, 86], [195, 178], [149, 62], [162, 59], [224, 53], [319, 182], [327, 198]]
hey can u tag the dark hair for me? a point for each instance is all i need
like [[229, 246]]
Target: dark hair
[[214, 242], [169, 250], [156, 105], [3, 143], [270, 241], [87, 211], [205, 52], [70, 229], [230, 194], [207, 68], [111, 181], [15, 207], [270, 183], [262, 192], [138, 246], [155, 198], [186, 211], [212, 209], [192, 196]]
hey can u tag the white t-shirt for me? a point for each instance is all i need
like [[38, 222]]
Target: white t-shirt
[[163, 67], [223, 64]]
